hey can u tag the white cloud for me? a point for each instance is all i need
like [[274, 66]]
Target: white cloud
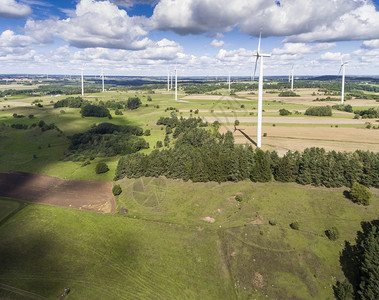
[[330, 56], [129, 3], [239, 57], [13, 9], [93, 24], [300, 20], [217, 43], [295, 51], [9, 39], [373, 44]]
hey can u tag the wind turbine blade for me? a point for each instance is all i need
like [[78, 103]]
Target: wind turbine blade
[[340, 70], [259, 42]]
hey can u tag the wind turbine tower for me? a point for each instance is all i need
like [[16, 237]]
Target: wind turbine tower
[[82, 70], [102, 78], [168, 81], [343, 79], [292, 79], [229, 82], [260, 56], [176, 84]]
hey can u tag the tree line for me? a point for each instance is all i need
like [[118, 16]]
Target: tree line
[[199, 153]]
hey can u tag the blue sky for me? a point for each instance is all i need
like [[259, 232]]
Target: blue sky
[[200, 37]]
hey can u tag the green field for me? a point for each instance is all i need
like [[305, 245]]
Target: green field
[[7, 207], [163, 249]]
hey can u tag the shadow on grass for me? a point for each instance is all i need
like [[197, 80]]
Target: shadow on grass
[[247, 137]]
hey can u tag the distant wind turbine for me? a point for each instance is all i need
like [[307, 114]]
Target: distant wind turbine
[[168, 81], [229, 81], [292, 79], [102, 77], [176, 84], [260, 56], [343, 79], [82, 70]]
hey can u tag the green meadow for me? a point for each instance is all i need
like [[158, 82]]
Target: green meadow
[[163, 249]]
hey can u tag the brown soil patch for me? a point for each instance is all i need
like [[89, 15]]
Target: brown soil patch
[[79, 194], [257, 221], [258, 281], [209, 219]]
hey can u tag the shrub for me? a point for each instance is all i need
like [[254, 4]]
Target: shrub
[[116, 190], [133, 103], [149, 98], [159, 144], [265, 134], [295, 225], [284, 112], [147, 132], [90, 110], [236, 123], [239, 198], [118, 112], [361, 194], [101, 167], [332, 233], [272, 222], [319, 111]]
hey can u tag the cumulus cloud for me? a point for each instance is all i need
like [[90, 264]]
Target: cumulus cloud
[[330, 56], [93, 24], [130, 3], [291, 51], [373, 44], [217, 43], [9, 39], [300, 20], [12, 9], [357, 24]]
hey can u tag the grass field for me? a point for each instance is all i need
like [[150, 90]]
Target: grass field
[[7, 207], [163, 249]]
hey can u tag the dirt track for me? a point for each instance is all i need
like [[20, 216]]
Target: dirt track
[[79, 194]]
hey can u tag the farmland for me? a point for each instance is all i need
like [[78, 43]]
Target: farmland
[[169, 238]]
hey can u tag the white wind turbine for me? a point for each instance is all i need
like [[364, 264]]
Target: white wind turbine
[[168, 81], [343, 79], [260, 55], [102, 78], [82, 77], [229, 81], [176, 84], [292, 79]]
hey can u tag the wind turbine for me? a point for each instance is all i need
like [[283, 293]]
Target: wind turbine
[[176, 84], [229, 81], [260, 55], [168, 81], [102, 77], [292, 79], [82, 70], [343, 79]]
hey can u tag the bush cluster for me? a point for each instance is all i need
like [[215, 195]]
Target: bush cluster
[[319, 111], [101, 167]]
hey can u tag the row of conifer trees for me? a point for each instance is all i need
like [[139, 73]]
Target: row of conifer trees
[[201, 154]]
